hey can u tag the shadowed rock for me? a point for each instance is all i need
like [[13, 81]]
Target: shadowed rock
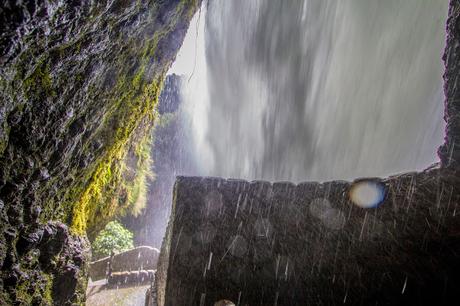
[[274, 244], [79, 81]]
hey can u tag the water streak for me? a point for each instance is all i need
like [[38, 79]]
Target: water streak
[[321, 89]]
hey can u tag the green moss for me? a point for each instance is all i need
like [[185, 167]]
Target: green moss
[[5, 298], [48, 293], [39, 82], [107, 189], [108, 193], [98, 202], [136, 189], [192, 7], [100, 190], [28, 292], [23, 295]]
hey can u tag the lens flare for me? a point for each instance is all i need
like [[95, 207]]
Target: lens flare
[[367, 194]]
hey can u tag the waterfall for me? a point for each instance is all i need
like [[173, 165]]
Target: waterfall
[[319, 89]]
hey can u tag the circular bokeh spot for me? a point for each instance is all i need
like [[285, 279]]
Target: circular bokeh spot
[[334, 219], [224, 303], [237, 246], [331, 217], [367, 194], [319, 207], [263, 227], [212, 203], [206, 234]]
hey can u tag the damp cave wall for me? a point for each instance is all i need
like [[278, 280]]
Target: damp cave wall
[[79, 83], [261, 243]]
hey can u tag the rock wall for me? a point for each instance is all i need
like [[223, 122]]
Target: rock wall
[[48, 265], [258, 243], [449, 153], [79, 81]]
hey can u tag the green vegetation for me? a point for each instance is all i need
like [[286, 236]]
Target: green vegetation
[[135, 185], [111, 188], [39, 82], [113, 238], [28, 293], [106, 195]]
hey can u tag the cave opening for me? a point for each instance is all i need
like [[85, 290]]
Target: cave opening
[[292, 143], [295, 93], [339, 100]]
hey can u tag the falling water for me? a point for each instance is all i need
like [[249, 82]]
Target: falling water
[[319, 89]]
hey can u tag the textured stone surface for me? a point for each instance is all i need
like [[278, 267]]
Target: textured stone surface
[[48, 265], [258, 243], [450, 151], [308, 244], [79, 81]]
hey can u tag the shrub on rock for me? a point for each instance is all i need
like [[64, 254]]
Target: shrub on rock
[[113, 238]]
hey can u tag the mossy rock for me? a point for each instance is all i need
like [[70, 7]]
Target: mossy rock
[[79, 84]]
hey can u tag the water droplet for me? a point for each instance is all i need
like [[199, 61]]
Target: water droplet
[[263, 227], [237, 246], [367, 194], [224, 303], [319, 207]]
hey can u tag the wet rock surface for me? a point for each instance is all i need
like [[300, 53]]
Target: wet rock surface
[[450, 151], [48, 265], [257, 243], [77, 81]]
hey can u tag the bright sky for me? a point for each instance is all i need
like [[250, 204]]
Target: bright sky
[[191, 62], [192, 51]]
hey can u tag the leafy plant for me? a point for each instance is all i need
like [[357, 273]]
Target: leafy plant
[[114, 237]]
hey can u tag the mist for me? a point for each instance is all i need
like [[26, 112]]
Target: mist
[[319, 90]]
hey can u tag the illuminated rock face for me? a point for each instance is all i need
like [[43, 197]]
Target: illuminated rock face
[[393, 241]]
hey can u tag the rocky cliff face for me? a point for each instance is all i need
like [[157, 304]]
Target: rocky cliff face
[[449, 152], [78, 85]]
